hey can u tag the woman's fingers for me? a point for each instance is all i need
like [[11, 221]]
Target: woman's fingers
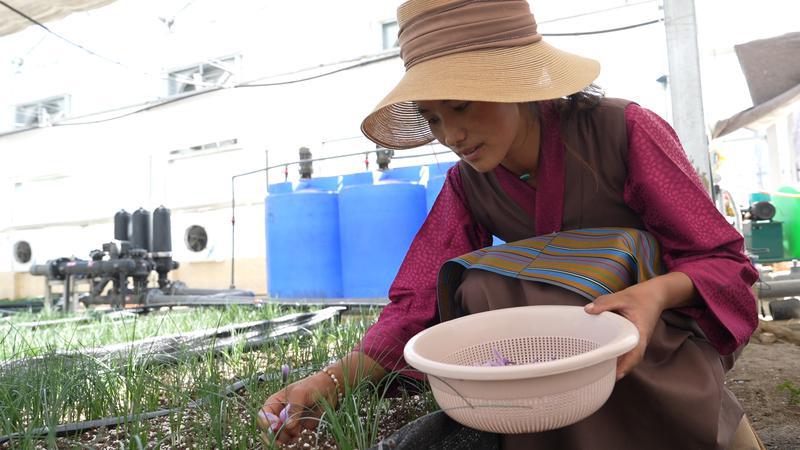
[[610, 302], [291, 428], [271, 408], [270, 419], [628, 361], [643, 314], [283, 424]]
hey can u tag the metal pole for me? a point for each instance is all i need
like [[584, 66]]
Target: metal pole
[[68, 307], [156, 299], [48, 295], [778, 288], [266, 231], [685, 87], [233, 230]]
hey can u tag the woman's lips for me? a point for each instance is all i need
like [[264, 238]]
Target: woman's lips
[[473, 153]]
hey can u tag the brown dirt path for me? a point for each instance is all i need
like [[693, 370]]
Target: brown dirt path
[[756, 380]]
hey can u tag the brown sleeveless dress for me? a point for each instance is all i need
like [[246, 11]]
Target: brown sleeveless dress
[[675, 398]]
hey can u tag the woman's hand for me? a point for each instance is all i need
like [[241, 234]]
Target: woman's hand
[[303, 397], [304, 412], [643, 304], [641, 311]]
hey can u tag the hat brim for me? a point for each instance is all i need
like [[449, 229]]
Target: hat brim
[[526, 73]]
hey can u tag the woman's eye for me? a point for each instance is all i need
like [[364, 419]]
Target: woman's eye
[[461, 106]]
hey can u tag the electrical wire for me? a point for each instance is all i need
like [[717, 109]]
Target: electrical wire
[[595, 12], [41, 25], [188, 81], [313, 77], [188, 4], [361, 63], [422, 155], [33, 47], [153, 105], [216, 88], [91, 52], [609, 30], [392, 52]]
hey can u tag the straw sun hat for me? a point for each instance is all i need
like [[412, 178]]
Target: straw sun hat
[[479, 50]]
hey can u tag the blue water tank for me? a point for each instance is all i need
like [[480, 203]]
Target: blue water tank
[[322, 184], [437, 174], [356, 178], [377, 224], [413, 174], [303, 251], [280, 188]]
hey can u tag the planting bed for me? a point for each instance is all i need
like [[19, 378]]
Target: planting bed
[[202, 386], [199, 388]]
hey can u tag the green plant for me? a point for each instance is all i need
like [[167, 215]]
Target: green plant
[[794, 392], [25, 335], [40, 386]]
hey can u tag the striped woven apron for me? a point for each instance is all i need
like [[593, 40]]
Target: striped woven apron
[[590, 262], [681, 376]]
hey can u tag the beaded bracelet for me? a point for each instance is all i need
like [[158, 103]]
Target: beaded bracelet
[[339, 395]]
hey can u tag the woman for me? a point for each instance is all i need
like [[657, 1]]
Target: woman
[[542, 153]]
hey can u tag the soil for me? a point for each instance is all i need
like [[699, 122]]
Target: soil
[[757, 380]]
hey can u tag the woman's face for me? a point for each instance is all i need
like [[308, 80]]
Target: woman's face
[[481, 133]]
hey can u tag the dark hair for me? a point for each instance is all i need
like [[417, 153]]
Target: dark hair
[[585, 100]]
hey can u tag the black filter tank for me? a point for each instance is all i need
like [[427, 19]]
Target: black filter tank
[[162, 232], [140, 229], [122, 220]]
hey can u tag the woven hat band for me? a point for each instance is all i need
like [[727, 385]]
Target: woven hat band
[[464, 26]]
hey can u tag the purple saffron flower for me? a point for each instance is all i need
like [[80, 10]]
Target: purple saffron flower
[[501, 360], [498, 360], [275, 422], [285, 373], [284, 414]]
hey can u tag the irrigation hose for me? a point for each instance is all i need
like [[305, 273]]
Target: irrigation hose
[[193, 343], [108, 422], [74, 427]]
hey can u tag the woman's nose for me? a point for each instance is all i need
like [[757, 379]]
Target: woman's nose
[[454, 135]]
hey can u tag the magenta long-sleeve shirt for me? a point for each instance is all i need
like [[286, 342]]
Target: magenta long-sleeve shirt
[[662, 187]]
